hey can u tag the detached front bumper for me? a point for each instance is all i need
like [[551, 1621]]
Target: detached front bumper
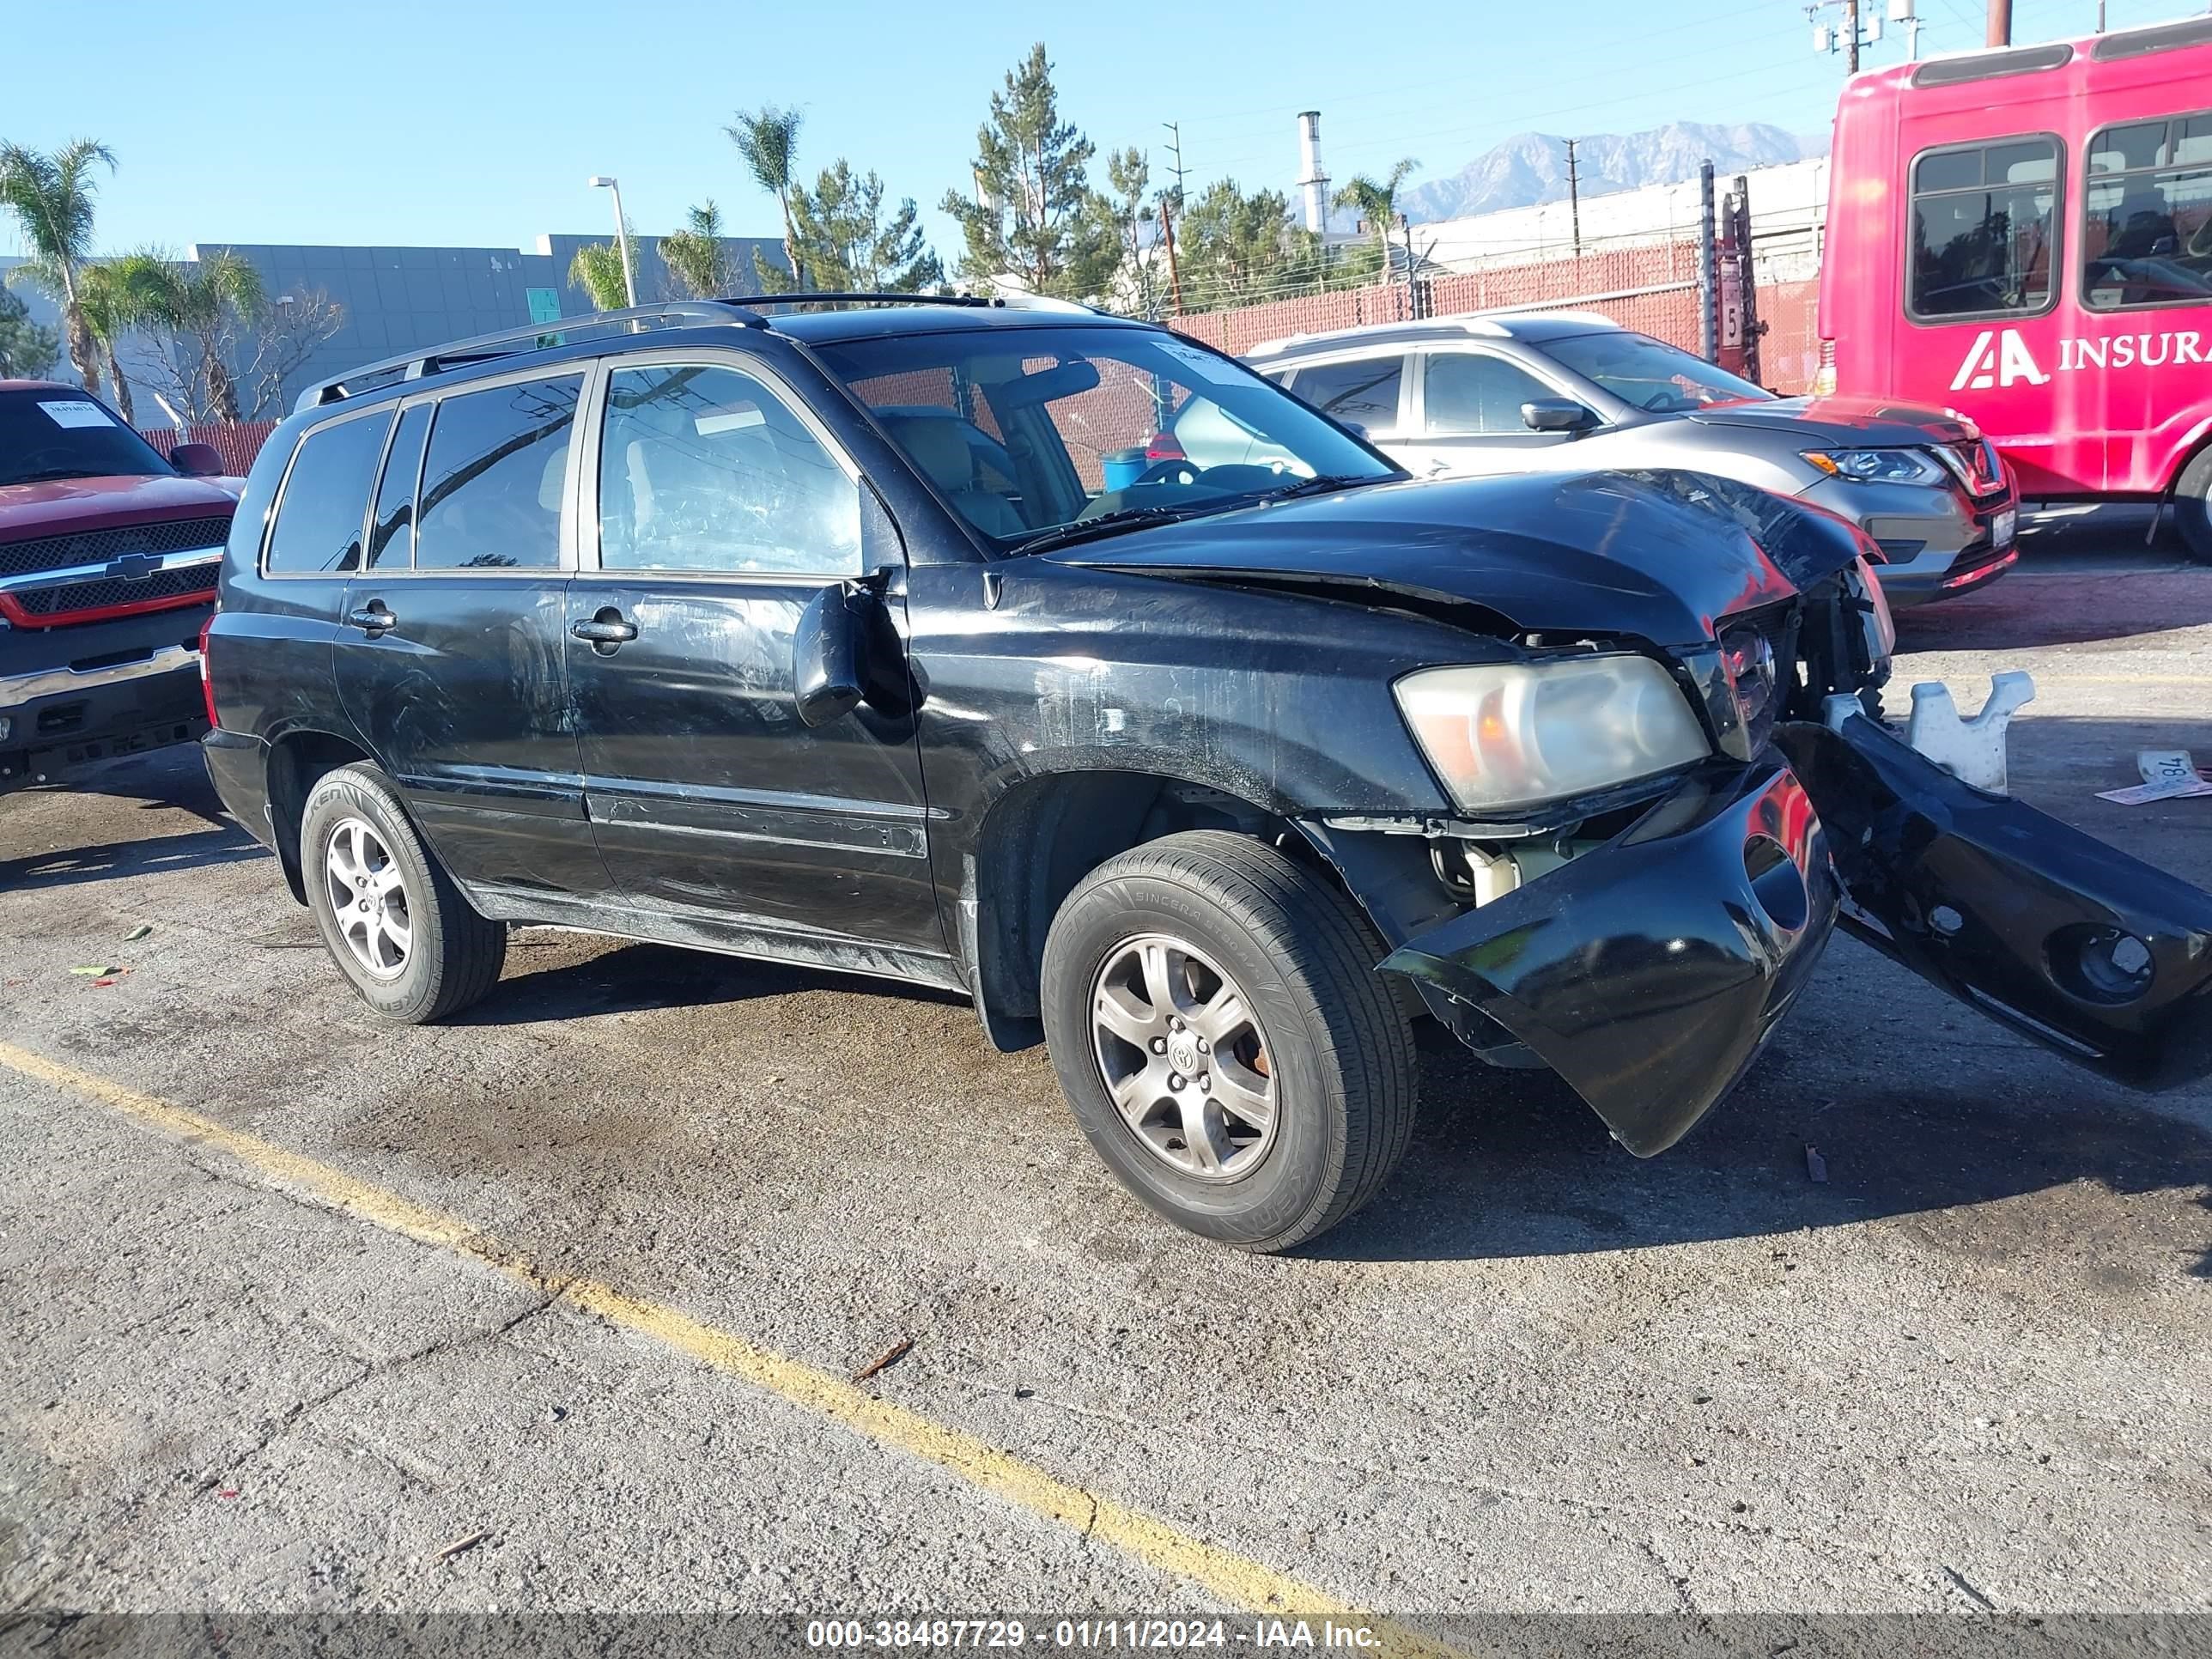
[[1649, 972]]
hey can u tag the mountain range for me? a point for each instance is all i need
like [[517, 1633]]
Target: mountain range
[[1531, 167]]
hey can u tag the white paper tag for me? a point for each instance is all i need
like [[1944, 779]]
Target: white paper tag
[[727, 420], [76, 411], [2168, 774], [1207, 366]]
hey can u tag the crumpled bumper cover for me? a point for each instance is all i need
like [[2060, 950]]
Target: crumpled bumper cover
[[1649, 972], [2097, 956]]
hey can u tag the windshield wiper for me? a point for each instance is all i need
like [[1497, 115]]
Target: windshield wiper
[[1108, 523], [50, 474], [1320, 484]]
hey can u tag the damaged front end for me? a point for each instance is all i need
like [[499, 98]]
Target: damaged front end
[[1649, 971]]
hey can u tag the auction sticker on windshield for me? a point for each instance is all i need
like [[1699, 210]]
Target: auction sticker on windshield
[[75, 411], [1208, 366]]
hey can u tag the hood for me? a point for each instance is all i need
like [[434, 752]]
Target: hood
[[61, 507], [1658, 554], [1846, 422]]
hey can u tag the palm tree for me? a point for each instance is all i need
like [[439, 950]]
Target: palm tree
[[117, 296], [1377, 203], [597, 268], [767, 138], [203, 301], [694, 255], [51, 197]]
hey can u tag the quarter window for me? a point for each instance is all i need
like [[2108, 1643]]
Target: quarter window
[[2146, 230], [493, 477], [391, 532], [327, 497], [703, 468], [1984, 221], [1467, 392], [1362, 392]]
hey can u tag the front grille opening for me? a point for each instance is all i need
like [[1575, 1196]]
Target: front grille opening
[[98, 596], [99, 546]]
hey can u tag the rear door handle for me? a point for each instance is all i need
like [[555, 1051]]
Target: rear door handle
[[604, 631], [373, 618]]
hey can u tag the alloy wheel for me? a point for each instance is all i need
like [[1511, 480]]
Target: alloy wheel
[[367, 895], [1183, 1058]]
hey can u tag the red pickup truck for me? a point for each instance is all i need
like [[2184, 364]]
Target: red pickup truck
[[108, 558]]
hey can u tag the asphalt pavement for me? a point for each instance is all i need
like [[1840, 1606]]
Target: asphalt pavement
[[559, 1306]]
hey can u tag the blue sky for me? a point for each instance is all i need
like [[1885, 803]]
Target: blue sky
[[475, 122]]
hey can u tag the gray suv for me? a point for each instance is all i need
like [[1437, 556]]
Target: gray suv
[[1569, 390]]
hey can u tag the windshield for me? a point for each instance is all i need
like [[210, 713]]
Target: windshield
[[1649, 374], [1041, 433], [56, 432]]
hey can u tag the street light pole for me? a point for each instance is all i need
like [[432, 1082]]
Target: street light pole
[[603, 181]]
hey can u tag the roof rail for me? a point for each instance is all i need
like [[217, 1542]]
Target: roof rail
[[1013, 300], [739, 310], [414, 364]]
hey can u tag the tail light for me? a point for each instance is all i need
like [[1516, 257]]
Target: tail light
[[1824, 378], [1164, 446], [207, 685]]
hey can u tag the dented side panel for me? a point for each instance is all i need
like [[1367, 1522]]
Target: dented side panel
[[1649, 972]]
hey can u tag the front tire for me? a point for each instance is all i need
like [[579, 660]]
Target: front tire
[[393, 921], [1214, 1015], [2192, 507]]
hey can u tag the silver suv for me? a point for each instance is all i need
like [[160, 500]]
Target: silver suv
[[1570, 391]]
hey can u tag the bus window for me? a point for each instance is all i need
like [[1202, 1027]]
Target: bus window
[[1985, 220], [2146, 230]]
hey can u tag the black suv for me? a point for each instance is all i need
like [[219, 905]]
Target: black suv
[[870, 636]]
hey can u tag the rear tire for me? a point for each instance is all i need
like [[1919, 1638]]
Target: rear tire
[[2192, 507], [1279, 966], [395, 925]]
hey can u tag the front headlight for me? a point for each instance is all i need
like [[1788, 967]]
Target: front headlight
[[1514, 734], [1876, 465]]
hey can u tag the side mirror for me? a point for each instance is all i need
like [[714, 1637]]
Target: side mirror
[[844, 652], [1556, 414], [1357, 429], [196, 460]]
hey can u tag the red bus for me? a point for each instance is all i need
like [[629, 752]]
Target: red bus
[[2025, 236]]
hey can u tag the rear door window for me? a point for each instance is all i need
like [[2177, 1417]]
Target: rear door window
[[325, 500], [1362, 392], [1984, 229], [494, 477]]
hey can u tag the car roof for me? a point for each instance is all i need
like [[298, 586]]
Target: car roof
[[41, 385], [687, 322], [1533, 327]]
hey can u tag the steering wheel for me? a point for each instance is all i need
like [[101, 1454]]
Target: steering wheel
[[1663, 403], [1160, 471]]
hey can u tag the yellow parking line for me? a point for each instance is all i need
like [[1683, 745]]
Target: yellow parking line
[[1231, 1577]]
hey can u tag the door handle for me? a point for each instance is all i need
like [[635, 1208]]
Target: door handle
[[606, 631], [373, 618]]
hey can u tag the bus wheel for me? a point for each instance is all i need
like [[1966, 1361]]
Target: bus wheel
[[2192, 507]]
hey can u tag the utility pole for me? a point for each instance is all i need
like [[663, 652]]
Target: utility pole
[[1574, 198], [1851, 36], [1175, 149], [1167, 236], [2000, 33]]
